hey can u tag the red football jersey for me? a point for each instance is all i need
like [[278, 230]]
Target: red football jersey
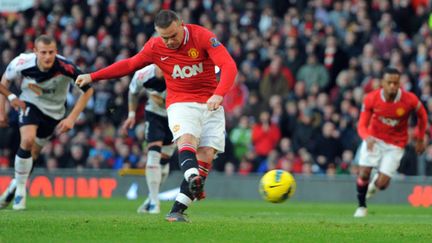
[[189, 71], [388, 121]]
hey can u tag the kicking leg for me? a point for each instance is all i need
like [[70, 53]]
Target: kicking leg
[[192, 183]]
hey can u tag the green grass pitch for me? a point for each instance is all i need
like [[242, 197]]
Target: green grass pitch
[[116, 220]]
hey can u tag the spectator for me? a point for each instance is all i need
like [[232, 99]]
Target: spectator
[[265, 137]]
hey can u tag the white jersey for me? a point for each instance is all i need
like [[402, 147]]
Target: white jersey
[[146, 78], [46, 90]]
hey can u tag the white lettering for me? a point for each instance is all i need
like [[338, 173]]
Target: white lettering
[[187, 71], [388, 121]]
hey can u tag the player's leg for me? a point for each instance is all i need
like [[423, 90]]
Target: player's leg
[[23, 164], [145, 207], [372, 189], [379, 182], [388, 167], [205, 157], [185, 125], [153, 178], [8, 195], [167, 154], [191, 184], [367, 160], [212, 141], [165, 169], [362, 186], [36, 130]]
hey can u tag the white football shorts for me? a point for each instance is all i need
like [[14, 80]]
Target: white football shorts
[[194, 118], [385, 157]]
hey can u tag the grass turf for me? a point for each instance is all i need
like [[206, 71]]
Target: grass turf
[[115, 220]]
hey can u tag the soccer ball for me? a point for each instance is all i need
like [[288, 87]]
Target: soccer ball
[[276, 186]]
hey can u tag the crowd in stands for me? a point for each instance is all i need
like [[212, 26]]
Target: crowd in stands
[[304, 67]]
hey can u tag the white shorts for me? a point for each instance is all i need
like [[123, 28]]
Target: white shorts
[[385, 157], [194, 118]]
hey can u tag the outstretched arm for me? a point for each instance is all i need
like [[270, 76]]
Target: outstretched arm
[[69, 122], [118, 69]]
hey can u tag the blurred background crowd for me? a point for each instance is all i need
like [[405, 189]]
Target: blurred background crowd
[[304, 67]]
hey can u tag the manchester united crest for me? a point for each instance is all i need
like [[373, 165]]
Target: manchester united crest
[[176, 128], [400, 111], [193, 53]]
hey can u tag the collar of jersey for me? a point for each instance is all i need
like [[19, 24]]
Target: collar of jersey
[[186, 37], [397, 98]]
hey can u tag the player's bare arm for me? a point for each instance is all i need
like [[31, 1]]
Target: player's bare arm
[[15, 102], [158, 100], [69, 122], [132, 106]]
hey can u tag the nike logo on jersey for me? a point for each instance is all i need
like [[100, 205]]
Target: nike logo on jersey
[[182, 163], [164, 58]]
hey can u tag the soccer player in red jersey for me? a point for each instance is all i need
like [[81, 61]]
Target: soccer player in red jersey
[[383, 126], [187, 55]]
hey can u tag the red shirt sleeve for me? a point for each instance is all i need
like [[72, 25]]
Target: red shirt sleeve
[[365, 116], [221, 58], [126, 66], [421, 120]]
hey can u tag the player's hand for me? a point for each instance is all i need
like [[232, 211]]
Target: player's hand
[[65, 125], [4, 120], [214, 102], [128, 124], [18, 104], [83, 80], [370, 142], [420, 146]]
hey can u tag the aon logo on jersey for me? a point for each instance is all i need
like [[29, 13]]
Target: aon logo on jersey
[[187, 71], [388, 121]]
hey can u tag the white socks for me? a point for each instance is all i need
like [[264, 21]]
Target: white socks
[[189, 172], [153, 175], [165, 172], [22, 171]]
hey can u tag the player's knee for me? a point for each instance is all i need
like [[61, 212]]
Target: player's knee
[[153, 155], [27, 143], [381, 186], [364, 177], [188, 139], [206, 154], [155, 148]]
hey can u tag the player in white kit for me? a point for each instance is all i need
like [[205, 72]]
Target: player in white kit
[[158, 135], [45, 80]]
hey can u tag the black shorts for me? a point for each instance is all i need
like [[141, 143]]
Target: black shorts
[[34, 116], [157, 128]]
